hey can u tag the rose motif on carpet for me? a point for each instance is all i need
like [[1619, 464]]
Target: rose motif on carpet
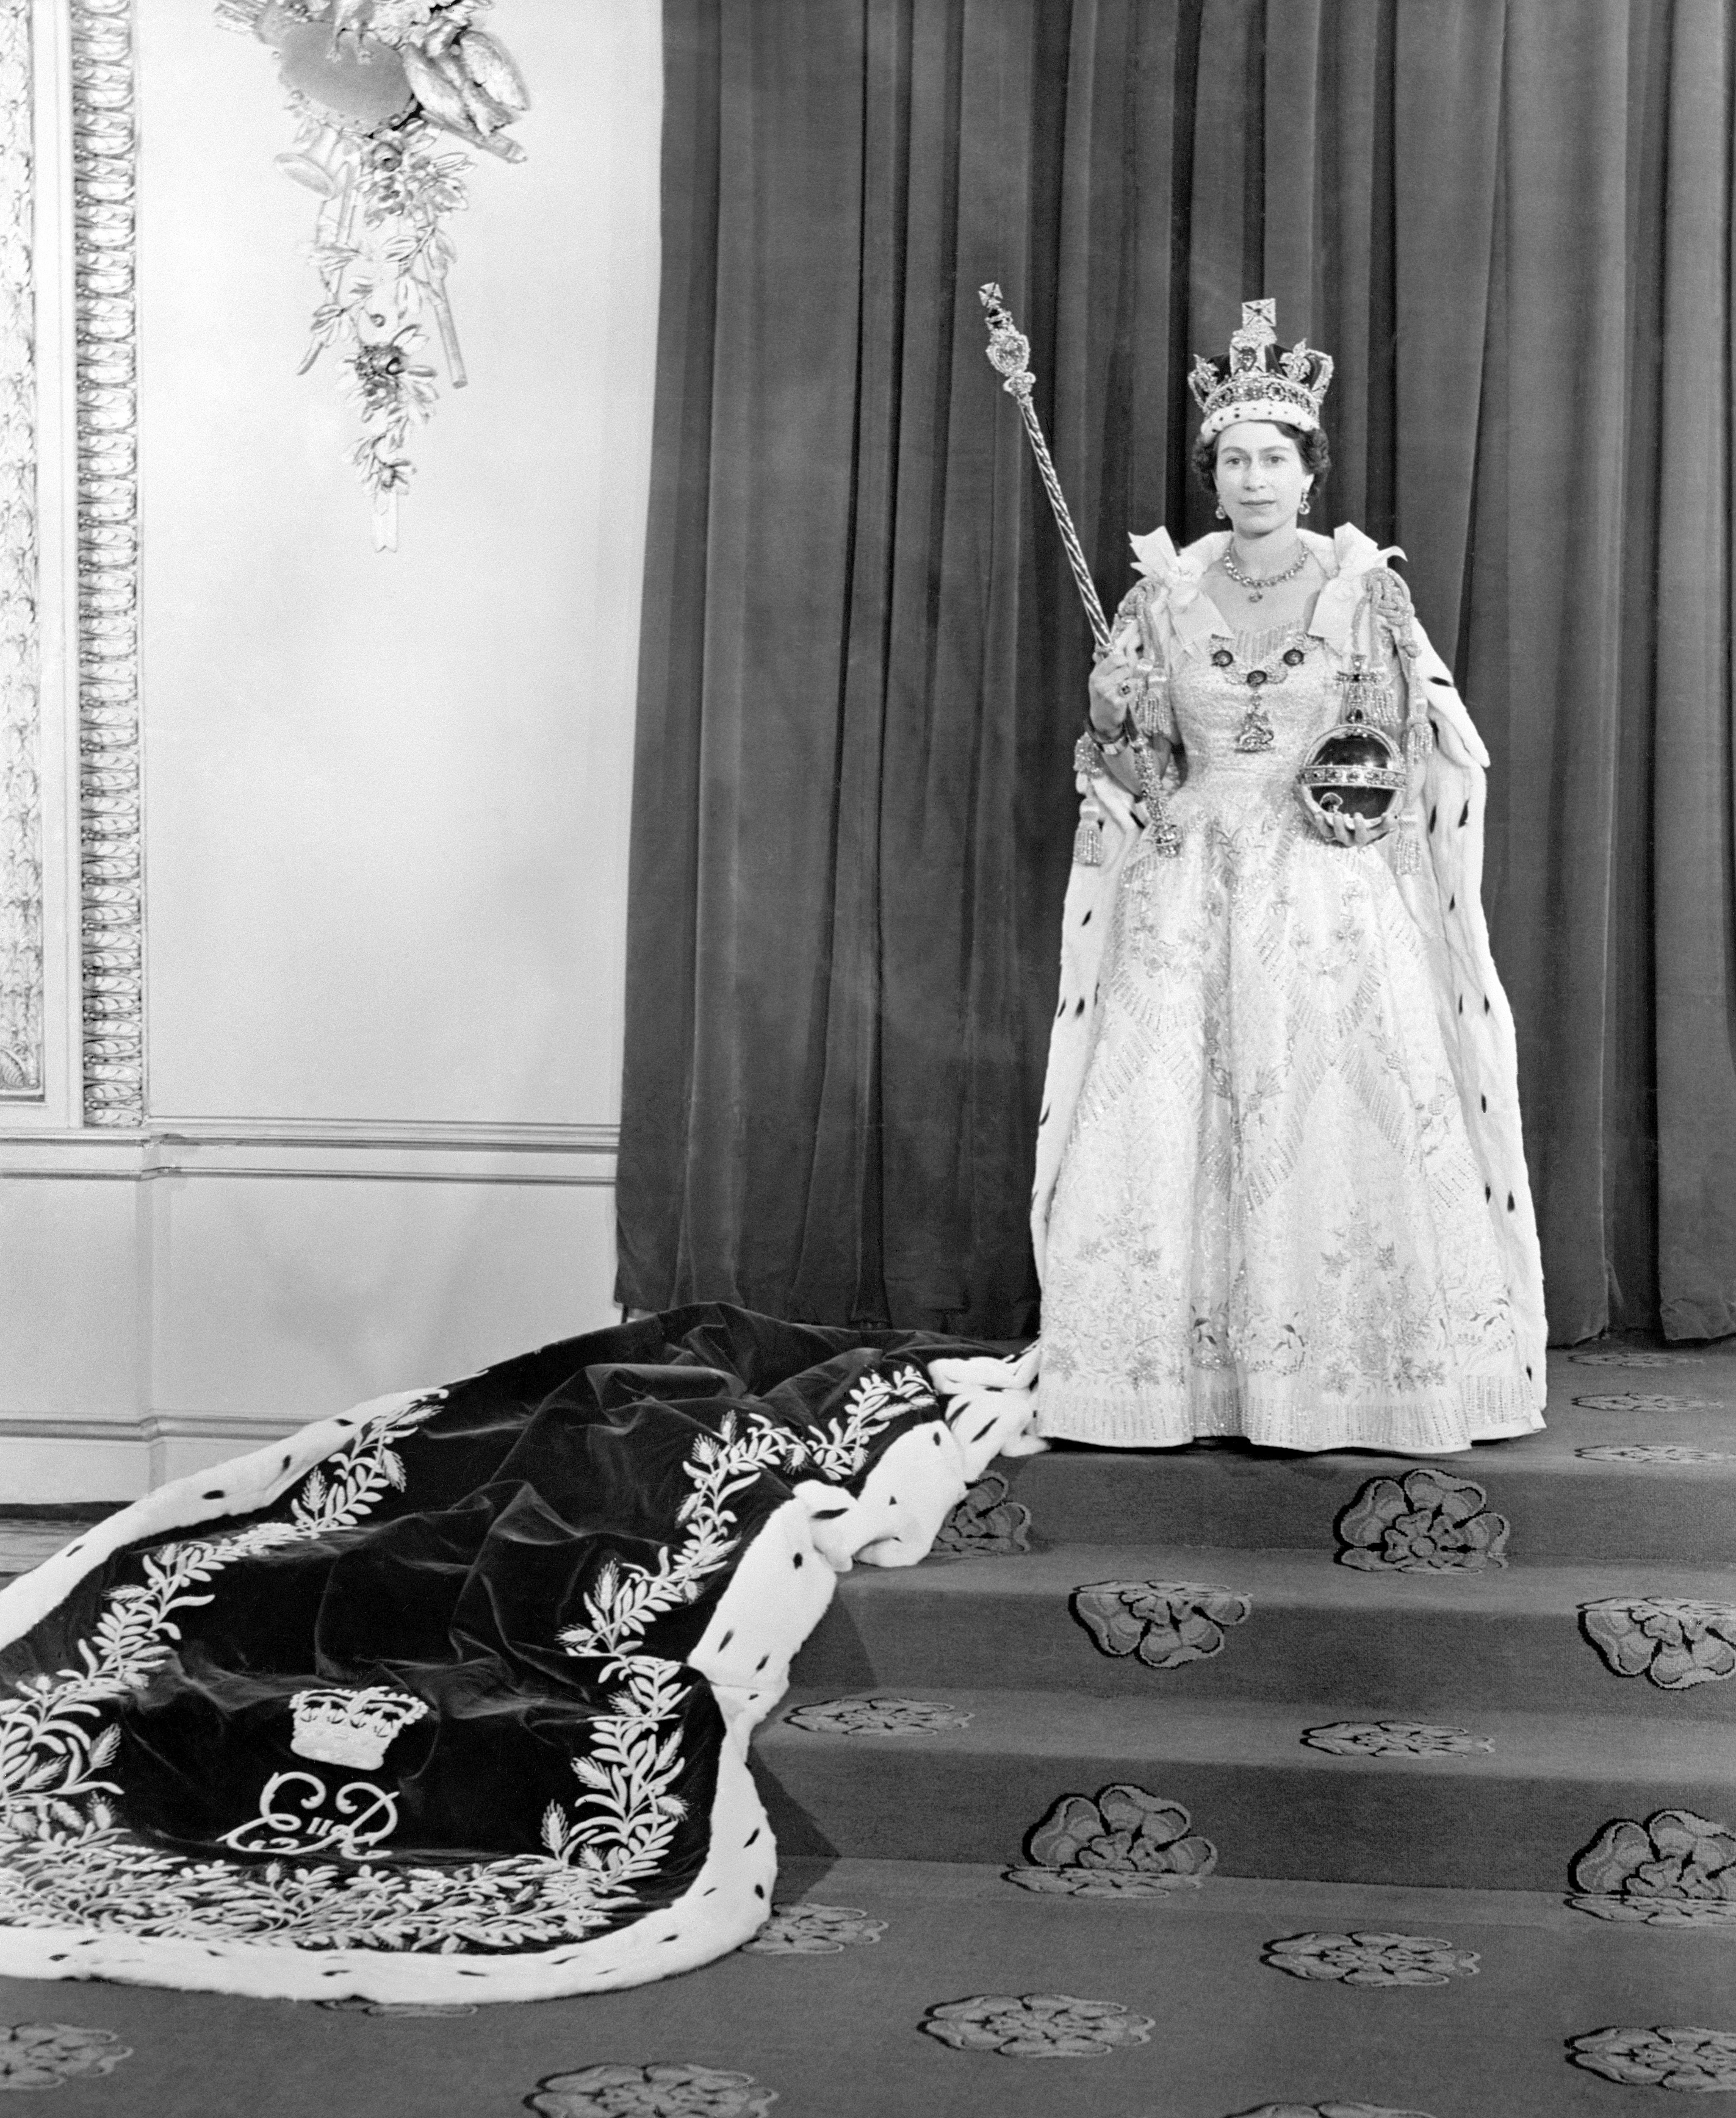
[[1333, 2110], [47, 2055], [1644, 1401], [1165, 1623], [1037, 2026], [876, 1717], [1673, 1870], [1426, 1522], [806, 1929], [1665, 2056], [1393, 1738], [663, 2091], [1675, 1641], [986, 1521], [1127, 1843], [1371, 1959], [420, 2009], [1652, 1452]]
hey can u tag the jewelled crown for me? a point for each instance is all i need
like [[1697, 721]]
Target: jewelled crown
[[1256, 380], [351, 1727]]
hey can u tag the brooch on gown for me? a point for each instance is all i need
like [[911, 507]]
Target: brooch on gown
[[1256, 732]]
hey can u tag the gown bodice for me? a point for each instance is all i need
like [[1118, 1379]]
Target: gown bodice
[[1212, 701]]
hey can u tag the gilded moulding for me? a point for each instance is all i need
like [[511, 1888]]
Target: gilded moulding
[[112, 911], [21, 967]]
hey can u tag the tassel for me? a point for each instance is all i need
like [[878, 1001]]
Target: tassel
[[1087, 840], [1407, 855]]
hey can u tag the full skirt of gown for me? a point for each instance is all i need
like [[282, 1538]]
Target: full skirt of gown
[[1269, 1220]]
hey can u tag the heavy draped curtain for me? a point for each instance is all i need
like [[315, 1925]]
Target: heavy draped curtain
[[862, 666]]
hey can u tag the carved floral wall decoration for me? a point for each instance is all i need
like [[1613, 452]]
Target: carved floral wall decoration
[[384, 93]]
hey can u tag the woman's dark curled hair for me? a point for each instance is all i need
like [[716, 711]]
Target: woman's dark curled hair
[[1311, 446]]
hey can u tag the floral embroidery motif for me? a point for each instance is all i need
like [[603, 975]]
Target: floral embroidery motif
[[1652, 1452], [1675, 1642], [1371, 1959], [1037, 2026], [877, 1717], [1666, 2056], [1674, 1869], [1393, 1738], [1644, 1401], [362, 1815], [1426, 1522], [1165, 1623], [808, 1930], [986, 1521], [665, 2091], [46, 2054], [841, 1450], [1126, 1844]]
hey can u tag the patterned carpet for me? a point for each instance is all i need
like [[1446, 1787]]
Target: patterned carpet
[[1308, 1788]]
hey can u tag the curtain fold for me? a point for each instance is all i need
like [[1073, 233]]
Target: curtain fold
[[863, 658]]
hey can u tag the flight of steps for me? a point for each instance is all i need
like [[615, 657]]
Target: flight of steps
[[1500, 1654]]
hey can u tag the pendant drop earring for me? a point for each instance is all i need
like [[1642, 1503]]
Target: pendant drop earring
[[1222, 514], [1304, 508]]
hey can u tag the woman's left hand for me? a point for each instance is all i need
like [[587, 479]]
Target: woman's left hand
[[1347, 828]]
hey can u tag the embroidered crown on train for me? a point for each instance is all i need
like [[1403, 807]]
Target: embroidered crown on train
[[351, 1727], [1257, 379]]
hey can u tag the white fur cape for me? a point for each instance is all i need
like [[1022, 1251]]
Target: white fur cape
[[1454, 793]]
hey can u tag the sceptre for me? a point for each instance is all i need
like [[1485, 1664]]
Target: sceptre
[[1009, 354]]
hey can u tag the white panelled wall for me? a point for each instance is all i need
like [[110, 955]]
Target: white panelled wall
[[386, 799]]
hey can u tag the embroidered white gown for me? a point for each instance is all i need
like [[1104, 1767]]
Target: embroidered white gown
[[1269, 1219]]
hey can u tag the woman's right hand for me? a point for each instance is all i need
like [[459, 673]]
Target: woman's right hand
[[1114, 686]]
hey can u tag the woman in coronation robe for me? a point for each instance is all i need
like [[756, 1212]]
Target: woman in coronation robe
[[1281, 1190]]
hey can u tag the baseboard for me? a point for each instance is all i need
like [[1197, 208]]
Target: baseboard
[[342, 1150], [47, 1461]]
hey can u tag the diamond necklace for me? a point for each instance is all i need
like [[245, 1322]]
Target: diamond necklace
[[1256, 584]]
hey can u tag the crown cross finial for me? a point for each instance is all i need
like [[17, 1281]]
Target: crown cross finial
[[1254, 381]]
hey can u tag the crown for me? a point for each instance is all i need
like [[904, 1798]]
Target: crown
[[351, 1727], [1257, 381]]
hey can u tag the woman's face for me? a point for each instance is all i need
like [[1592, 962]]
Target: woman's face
[[1260, 478]]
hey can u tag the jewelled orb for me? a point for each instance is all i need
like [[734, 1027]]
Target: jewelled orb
[[1354, 770]]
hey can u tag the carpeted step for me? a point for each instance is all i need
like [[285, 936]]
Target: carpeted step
[[1511, 1818], [1560, 1504], [1421, 1645]]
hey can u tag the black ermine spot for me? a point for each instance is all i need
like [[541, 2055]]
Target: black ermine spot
[[937, 1437], [1484, 1100], [1061, 1009], [216, 1495], [795, 1559], [826, 1514], [1453, 903], [758, 1889], [1509, 1202], [1445, 682], [761, 1663], [1080, 1008], [1431, 820], [725, 1639], [1086, 920], [346, 1422], [752, 1835], [1487, 1194], [287, 1462], [1485, 1007], [982, 1430], [1461, 1003], [1464, 815], [1044, 1119]]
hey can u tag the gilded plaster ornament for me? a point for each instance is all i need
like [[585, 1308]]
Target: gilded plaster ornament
[[380, 91]]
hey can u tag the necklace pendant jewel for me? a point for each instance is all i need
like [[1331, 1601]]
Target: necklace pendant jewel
[[1255, 733]]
